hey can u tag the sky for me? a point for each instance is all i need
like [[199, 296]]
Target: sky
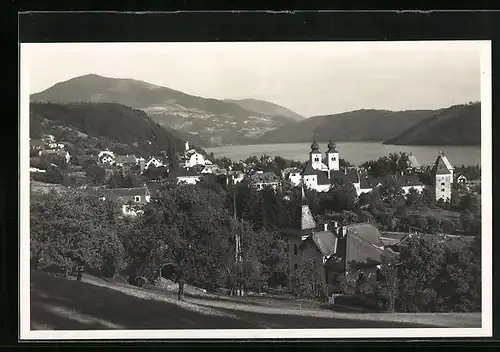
[[310, 78]]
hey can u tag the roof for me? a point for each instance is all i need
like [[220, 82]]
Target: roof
[[442, 166], [348, 174], [367, 232], [314, 147], [399, 180], [413, 161], [408, 180], [186, 173], [125, 159], [326, 242], [265, 177], [117, 193], [331, 147], [303, 219]]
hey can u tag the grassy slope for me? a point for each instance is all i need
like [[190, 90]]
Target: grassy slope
[[102, 304]]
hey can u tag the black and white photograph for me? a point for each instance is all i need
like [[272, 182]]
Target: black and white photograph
[[240, 190]]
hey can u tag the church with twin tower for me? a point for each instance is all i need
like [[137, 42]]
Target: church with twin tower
[[319, 171]]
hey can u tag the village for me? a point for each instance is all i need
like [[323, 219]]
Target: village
[[340, 248]]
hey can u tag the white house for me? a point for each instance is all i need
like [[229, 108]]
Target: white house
[[210, 169], [188, 176], [195, 159], [443, 177], [153, 161], [293, 175]]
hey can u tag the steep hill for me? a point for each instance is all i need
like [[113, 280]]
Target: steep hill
[[266, 108], [210, 121], [457, 125], [359, 125], [115, 122]]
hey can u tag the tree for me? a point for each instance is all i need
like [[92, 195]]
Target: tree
[[447, 226], [413, 198], [422, 261], [433, 224], [304, 281], [470, 202], [54, 175], [95, 174], [341, 196], [70, 228]]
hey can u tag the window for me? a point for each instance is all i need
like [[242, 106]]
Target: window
[[295, 251], [137, 198], [334, 158], [442, 183], [442, 189]]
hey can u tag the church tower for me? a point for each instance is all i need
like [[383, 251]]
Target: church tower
[[332, 157], [443, 177], [315, 156]]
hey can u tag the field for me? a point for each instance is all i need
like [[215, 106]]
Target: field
[[95, 304]]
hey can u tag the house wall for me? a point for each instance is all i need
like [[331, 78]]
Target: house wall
[[295, 178], [188, 180], [316, 161], [311, 181], [364, 190], [443, 187], [196, 159], [333, 161]]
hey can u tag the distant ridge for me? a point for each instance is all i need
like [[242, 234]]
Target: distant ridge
[[457, 125], [266, 108], [209, 121], [116, 122], [355, 126]]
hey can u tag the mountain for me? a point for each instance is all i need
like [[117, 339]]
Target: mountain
[[358, 125], [457, 125], [109, 121], [266, 108], [209, 121]]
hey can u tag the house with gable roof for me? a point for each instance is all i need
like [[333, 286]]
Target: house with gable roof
[[261, 180], [443, 177], [131, 199], [188, 176], [354, 249]]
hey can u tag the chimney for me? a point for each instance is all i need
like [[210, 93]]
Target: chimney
[[336, 224], [325, 226]]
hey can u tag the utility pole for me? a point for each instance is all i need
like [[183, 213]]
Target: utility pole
[[237, 257]]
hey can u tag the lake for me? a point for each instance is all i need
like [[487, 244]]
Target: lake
[[354, 152]]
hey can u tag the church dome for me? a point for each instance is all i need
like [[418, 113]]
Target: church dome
[[331, 146], [314, 146]]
